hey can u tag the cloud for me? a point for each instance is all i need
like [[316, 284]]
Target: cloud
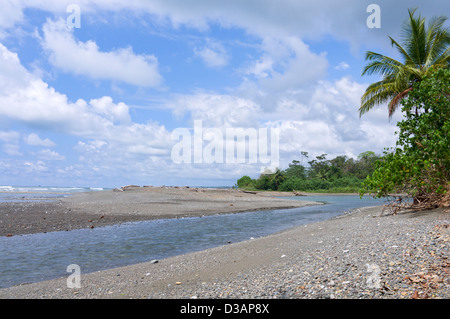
[[294, 66], [32, 102], [327, 121], [286, 66], [282, 84], [213, 54], [12, 149], [324, 121], [262, 67], [117, 113], [47, 154], [35, 167], [9, 136], [216, 110], [263, 18], [10, 14], [85, 58], [111, 144], [342, 66], [11, 142], [35, 140]]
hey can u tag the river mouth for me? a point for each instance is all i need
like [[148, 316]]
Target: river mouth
[[43, 256]]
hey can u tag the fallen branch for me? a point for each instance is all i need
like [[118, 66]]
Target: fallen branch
[[249, 192], [424, 201]]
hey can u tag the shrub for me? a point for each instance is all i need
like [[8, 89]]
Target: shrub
[[244, 181], [419, 165]]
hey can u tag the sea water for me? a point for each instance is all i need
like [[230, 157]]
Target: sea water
[[40, 193]]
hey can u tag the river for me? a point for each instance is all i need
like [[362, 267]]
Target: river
[[37, 257]]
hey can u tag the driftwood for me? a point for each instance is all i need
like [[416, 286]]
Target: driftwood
[[129, 187], [298, 193], [419, 202], [249, 192]]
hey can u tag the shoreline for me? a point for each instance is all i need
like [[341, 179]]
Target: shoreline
[[361, 254], [109, 207], [313, 261]]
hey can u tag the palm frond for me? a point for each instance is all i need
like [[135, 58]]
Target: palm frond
[[380, 64], [438, 40], [415, 37], [406, 56], [443, 61], [424, 47], [377, 93], [396, 101]]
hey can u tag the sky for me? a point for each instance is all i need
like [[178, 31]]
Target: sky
[[109, 93]]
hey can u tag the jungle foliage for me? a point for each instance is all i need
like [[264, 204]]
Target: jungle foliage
[[340, 174], [419, 165]]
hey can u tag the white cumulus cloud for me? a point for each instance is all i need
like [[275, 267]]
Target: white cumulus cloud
[[213, 54], [47, 154], [32, 102], [35, 140], [86, 58]]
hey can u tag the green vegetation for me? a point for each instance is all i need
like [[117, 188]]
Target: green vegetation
[[424, 48], [338, 175], [419, 165]]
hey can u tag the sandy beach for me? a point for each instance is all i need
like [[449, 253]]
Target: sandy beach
[[127, 204], [363, 254]]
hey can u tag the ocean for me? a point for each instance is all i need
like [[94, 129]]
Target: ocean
[[40, 193]]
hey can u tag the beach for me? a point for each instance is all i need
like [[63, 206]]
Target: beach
[[364, 254], [131, 203]]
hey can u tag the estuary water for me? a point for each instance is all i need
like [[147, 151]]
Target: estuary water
[[37, 257]]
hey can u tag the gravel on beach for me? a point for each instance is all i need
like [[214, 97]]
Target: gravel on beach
[[359, 255], [96, 209]]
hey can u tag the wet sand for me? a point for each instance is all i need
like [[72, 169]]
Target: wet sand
[[360, 255], [96, 209]]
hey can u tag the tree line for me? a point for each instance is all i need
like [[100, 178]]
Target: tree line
[[418, 167], [339, 174]]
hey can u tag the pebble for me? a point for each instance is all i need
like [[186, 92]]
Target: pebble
[[408, 258], [390, 257]]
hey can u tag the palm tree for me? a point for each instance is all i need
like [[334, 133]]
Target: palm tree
[[277, 178], [423, 49]]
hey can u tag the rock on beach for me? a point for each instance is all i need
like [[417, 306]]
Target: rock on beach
[[362, 255], [131, 203]]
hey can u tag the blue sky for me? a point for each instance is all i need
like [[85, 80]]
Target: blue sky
[[97, 105]]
